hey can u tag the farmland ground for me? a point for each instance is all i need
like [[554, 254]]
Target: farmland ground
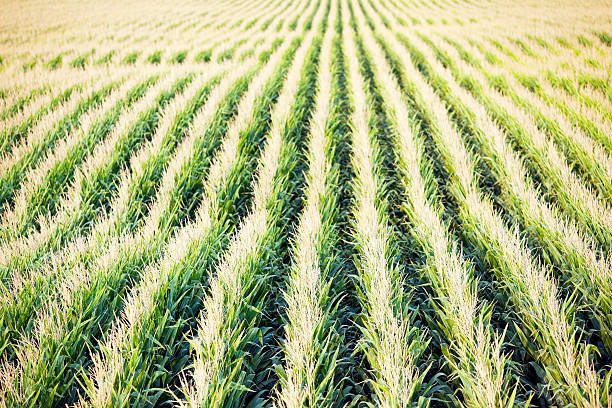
[[306, 203]]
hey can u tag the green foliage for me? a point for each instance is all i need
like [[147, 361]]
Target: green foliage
[[155, 57], [9, 137], [54, 63], [181, 294], [604, 37], [130, 58], [105, 59], [29, 64], [11, 179], [71, 275], [584, 41], [79, 61], [203, 56], [178, 57]]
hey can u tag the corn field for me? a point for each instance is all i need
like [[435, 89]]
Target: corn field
[[306, 203]]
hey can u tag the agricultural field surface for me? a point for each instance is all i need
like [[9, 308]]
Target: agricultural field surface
[[306, 203]]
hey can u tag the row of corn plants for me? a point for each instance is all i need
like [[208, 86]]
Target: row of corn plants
[[245, 37], [392, 345], [177, 289], [94, 183], [228, 362], [46, 182], [547, 58], [570, 78], [86, 307], [131, 57], [562, 243], [292, 11], [36, 97], [93, 186], [349, 362], [137, 187], [577, 89], [15, 100], [545, 163], [15, 127], [474, 350], [545, 322], [586, 157], [45, 134], [579, 105], [588, 119], [311, 340]]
